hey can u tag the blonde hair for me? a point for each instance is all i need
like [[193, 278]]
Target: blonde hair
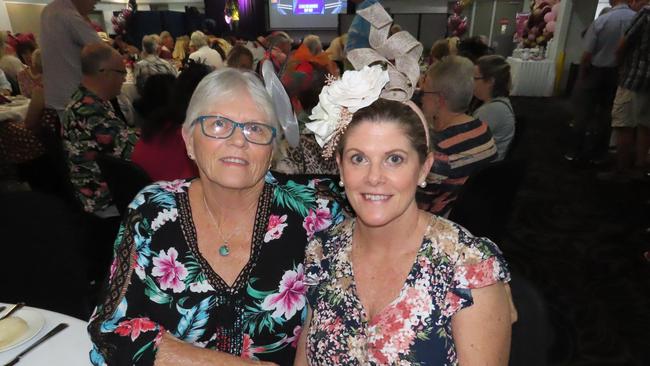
[[180, 48]]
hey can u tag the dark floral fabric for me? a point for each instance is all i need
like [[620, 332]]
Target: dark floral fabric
[[159, 281], [90, 127], [415, 328]]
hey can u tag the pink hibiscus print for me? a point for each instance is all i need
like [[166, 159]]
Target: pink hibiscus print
[[291, 295], [296, 335], [175, 186], [275, 228], [134, 327], [317, 220], [169, 271], [248, 350]]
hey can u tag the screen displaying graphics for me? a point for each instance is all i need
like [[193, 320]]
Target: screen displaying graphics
[[305, 14]]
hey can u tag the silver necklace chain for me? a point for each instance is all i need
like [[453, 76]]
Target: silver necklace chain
[[226, 240]]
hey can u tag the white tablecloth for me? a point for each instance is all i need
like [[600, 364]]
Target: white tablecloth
[[532, 78], [16, 112], [69, 347]]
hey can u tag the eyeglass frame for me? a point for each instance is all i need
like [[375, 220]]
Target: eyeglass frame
[[241, 125]]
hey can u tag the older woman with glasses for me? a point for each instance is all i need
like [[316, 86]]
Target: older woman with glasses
[[208, 271]]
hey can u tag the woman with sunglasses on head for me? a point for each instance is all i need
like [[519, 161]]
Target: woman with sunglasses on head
[[208, 271]]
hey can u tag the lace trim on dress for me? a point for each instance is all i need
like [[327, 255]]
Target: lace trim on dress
[[230, 307], [117, 286]]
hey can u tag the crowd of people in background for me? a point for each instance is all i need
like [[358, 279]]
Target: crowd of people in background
[[162, 102]]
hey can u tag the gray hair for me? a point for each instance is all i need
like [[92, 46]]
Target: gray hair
[[198, 39], [150, 44], [224, 85], [453, 77], [277, 39], [313, 44], [94, 56]]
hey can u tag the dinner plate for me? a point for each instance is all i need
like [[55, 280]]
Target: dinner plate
[[35, 322]]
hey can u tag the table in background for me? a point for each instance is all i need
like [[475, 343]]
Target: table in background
[[14, 113], [68, 348], [532, 78]]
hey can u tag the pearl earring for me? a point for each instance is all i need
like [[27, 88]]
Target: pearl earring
[[423, 184], [341, 184]]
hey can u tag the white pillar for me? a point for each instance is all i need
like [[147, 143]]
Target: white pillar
[[5, 24], [562, 23]]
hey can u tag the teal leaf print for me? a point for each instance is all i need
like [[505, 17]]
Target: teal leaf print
[[256, 319], [194, 272], [141, 351], [192, 325], [258, 295], [297, 197], [154, 293]]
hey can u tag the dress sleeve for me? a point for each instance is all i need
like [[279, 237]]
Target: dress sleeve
[[119, 328], [479, 263]]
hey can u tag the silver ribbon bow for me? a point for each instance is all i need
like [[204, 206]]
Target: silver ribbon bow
[[401, 54]]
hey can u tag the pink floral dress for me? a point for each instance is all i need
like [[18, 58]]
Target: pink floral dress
[[415, 328], [159, 281]]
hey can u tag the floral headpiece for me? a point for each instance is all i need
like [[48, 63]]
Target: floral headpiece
[[388, 70]]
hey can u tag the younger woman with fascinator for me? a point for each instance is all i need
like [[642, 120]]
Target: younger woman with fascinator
[[395, 285]]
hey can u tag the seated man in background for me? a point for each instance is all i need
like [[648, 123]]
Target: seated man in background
[[203, 52], [462, 145], [150, 64], [90, 127], [167, 46]]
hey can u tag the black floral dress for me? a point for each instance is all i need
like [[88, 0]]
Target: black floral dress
[[159, 281]]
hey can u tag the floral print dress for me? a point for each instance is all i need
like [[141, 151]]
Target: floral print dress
[[159, 281], [415, 328]]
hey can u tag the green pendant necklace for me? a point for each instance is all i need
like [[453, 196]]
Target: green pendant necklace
[[224, 249]]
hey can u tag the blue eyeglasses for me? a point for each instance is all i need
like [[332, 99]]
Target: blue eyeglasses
[[220, 127]]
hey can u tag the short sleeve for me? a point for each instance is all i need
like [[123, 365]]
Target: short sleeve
[[589, 43], [82, 31], [481, 264]]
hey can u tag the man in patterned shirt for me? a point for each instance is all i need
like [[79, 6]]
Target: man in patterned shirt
[[91, 127], [151, 64]]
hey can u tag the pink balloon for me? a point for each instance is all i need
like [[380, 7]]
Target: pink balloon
[[550, 27], [555, 10], [549, 17]]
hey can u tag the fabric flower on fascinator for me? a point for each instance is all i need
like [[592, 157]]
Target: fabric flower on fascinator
[[389, 70], [340, 98]]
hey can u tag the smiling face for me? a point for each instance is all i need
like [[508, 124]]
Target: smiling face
[[233, 162], [381, 170]]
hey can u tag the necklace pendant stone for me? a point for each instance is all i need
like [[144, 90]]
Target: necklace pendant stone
[[224, 250]]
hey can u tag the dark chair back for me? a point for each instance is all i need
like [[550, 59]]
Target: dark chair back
[[515, 144], [15, 87], [532, 333], [43, 261], [124, 178], [485, 201]]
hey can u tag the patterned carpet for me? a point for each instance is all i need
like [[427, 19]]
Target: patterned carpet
[[581, 242]]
